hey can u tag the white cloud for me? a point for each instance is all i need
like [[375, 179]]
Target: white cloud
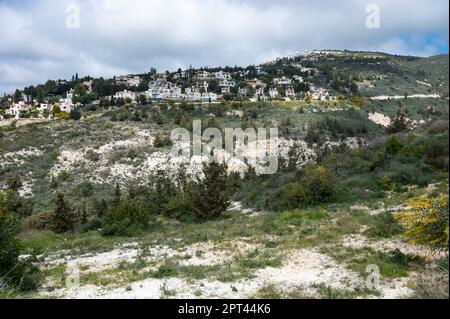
[[119, 36]]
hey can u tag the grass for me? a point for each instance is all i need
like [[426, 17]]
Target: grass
[[392, 265], [271, 291], [327, 292]]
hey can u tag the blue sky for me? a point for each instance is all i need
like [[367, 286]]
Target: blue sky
[[118, 36]]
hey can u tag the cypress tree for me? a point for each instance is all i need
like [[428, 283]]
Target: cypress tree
[[209, 195], [62, 217], [117, 196]]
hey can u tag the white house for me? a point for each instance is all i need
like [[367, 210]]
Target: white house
[[134, 81], [260, 91], [203, 85], [290, 92], [318, 93], [298, 79], [156, 93], [229, 83], [17, 108], [128, 80], [209, 96], [203, 75], [242, 91], [44, 107], [175, 93], [273, 92], [221, 75], [192, 94], [226, 90], [282, 81], [125, 95], [256, 83], [66, 105]]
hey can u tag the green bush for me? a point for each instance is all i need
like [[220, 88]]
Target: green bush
[[315, 186], [384, 226], [126, 219], [394, 146], [91, 225]]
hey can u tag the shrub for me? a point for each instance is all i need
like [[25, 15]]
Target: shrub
[[315, 186], [75, 115], [162, 141], [427, 222], [209, 195], [433, 282], [26, 276], [385, 226], [9, 244], [126, 219], [38, 221], [91, 225], [394, 146]]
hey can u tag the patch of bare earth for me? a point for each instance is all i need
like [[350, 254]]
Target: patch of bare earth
[[305, 269]]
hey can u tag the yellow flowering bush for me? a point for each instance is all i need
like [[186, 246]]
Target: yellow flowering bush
[[427, 221]]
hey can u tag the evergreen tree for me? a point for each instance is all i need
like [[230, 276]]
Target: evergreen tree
[[62, 217], [117, 196], [400, 122], [209, 195]]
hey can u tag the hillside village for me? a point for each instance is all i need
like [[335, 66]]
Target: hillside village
[[205, 85], [87, 170]]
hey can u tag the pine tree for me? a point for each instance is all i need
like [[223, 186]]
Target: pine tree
[[63, 219], [209, 195], [117, 196], [400, 122]]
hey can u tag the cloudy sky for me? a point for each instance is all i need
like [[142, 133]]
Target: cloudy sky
[[41, 39]]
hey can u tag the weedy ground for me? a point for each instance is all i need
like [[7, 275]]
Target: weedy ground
[[322, 252]]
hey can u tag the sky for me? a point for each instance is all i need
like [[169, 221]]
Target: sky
[[54, 39]]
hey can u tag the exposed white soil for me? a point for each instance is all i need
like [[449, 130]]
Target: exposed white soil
[[399, 97], [380, 119], [22, 122], [199, 254], [381, 210], [359, 241], [303, 269], [20, 157]]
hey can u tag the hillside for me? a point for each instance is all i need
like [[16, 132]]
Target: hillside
[[348, 166]]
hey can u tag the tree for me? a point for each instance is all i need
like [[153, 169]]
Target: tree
[[62, 218], [9, 243], [79, 90], [400, 122], [117, 196], [209, 195]]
